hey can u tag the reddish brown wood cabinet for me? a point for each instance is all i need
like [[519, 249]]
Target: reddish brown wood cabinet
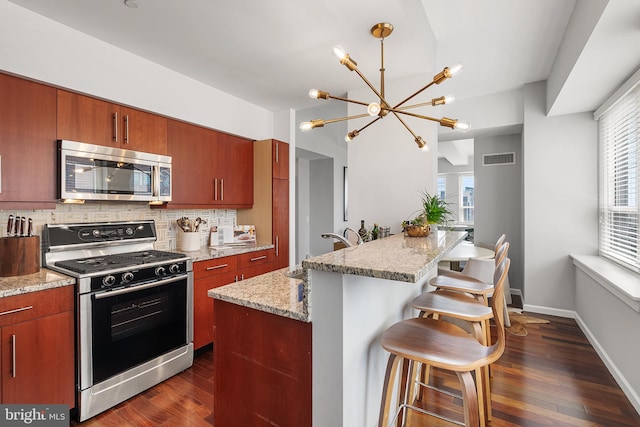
[[262, 369], [28, 156], [85, 119], [280, 159], [255, 263], [37, 348], [219, 272], [210, 169], [208, 275], [270, 211]]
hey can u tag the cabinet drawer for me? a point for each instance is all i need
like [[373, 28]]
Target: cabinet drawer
[[32, 305], [214, 267], [256, 258]]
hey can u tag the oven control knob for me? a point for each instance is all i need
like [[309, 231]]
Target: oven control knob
[[95, 232], [129, 231], [127, 277], [161, 271], [108, 280], [174, 268]]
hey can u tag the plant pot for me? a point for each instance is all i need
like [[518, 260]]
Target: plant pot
[[417, 230]]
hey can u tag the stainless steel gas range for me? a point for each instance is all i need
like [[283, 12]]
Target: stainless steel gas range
[[133, 308]]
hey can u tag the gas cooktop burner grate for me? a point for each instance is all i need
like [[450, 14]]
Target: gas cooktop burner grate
[[111, 262]]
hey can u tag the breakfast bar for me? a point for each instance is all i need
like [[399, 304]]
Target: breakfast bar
[[311, 337]]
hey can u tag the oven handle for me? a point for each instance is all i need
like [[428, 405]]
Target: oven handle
[[117, 292]]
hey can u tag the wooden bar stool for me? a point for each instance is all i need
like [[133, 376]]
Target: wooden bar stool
[[442, 345], [464, 307]]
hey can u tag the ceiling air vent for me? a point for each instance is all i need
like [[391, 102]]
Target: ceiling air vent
[[499, 159]]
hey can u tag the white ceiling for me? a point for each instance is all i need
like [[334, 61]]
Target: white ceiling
[[271, 53]]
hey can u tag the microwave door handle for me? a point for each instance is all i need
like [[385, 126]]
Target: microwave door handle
[[155, 182]]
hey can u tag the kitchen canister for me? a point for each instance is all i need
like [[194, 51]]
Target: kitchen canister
[[190, 241], [19, 255]]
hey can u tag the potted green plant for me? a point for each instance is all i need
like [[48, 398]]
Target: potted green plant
[[434, 211]]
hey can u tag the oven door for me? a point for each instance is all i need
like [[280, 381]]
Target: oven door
[[123, 328]]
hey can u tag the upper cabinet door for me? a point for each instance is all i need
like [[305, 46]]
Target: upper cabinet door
[[142, 131], [233, 172], [280, 159], [192, 151], [86, 119], [28, 164]]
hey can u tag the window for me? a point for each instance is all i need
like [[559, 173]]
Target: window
[[466, 202], [442, 187], [619, 138]]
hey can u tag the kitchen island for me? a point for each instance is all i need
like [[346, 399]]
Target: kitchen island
[[342, 302]]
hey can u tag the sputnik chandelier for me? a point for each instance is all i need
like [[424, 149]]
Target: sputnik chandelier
[[382, 108]]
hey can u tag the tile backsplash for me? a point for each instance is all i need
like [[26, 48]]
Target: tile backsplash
[[165, 219]]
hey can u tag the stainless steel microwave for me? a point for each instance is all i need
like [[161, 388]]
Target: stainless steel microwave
[[95, 172]]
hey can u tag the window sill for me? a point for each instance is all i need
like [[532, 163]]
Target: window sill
[[622, 283]]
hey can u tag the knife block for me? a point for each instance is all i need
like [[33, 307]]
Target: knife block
[[19, 255]]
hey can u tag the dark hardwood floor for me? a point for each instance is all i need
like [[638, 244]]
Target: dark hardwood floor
[[551, 377]]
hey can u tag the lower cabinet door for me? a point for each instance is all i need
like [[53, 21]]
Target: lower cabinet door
[[203, 307], [38, 361]]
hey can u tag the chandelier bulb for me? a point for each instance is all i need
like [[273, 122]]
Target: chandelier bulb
[[313, 93], [455, 70], [351, 135], [306, 126], [339, 52], [462, 126], [449, 99], [373, 109], [421, 144]]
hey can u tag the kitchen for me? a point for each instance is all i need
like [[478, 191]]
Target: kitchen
[[194, 100]]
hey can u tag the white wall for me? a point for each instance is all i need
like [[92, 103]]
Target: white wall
[[41, 49], [322, 143], [560, 201], [612, 327], [387, 171], [498, 200]]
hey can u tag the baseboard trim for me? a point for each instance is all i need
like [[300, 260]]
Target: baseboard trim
[[570, 314], [631, 394]]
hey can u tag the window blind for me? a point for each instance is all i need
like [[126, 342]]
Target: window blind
[[619, 138]]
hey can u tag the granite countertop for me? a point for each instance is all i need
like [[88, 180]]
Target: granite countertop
[[206, 253], [400, 258], [44, 279], [275, 292]]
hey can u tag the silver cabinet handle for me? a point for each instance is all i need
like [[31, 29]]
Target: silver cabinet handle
[[126, 129], [115, 127], [277, 153], [216, 267], [215, 189], [13, 356], [277, 243], [221, 188], [16, 310], [258, 258]]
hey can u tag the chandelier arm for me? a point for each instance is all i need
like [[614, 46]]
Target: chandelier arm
[[408, 107], [348, 100], [405, 125], [419, 91], [420, 116], [341, 119], [372, 87], [369, 124]]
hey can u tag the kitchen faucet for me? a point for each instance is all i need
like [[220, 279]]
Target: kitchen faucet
[[342, 239]]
